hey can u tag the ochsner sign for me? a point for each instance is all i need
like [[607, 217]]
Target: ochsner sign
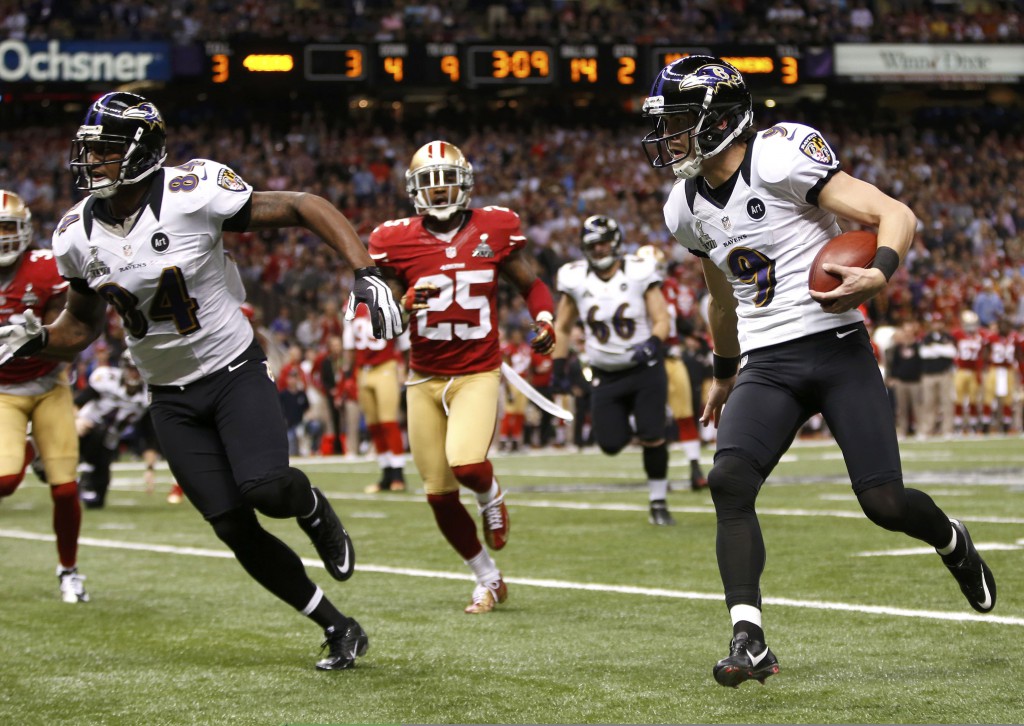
[[55, 60], [909, 62]]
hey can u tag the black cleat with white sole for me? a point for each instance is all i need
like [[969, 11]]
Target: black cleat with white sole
[[748, 660], [332, 542], [975, 579], [345, 645]]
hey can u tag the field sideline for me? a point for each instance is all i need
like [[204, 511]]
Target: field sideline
[[609, 619]]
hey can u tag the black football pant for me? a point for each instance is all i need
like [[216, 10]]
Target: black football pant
[[778, 389]]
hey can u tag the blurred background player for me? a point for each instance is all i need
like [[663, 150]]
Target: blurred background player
[[116, 399], [999, 387], [375, 364], [447, 261], [626, 323], [680, 388], [969, 361], [35, 390], [938, 352]]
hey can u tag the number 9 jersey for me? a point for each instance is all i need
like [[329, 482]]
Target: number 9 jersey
[[457, 333], [165, 271]]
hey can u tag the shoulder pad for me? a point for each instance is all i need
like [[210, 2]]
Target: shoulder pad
[[500, 217], [571, 275], [640, 268]]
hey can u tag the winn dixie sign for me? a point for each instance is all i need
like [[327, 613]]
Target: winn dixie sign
[[908, 62], [79, 61]]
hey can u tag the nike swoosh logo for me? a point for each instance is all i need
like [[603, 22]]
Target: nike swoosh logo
[[987, 602], [355, 650], [755, 659], [236, 367], [344, 564], [844, 333]]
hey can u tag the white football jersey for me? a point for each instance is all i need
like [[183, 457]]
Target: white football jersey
[[168, 276], [767, 234], [613, 311]]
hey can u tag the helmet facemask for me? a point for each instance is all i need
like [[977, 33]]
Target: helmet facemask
[[439, 166], [15, 228]]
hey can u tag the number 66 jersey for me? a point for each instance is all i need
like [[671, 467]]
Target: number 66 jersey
[[164, 270], [458, 332]]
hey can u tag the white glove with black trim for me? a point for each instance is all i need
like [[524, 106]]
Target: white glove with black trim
[[371, 290], [20, 340]]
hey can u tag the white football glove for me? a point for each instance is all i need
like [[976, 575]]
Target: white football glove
[[22, 340], [371, 290]]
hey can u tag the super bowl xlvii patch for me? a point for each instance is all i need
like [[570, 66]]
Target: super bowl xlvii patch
[[227, 179], [815, 148], [483, 249]]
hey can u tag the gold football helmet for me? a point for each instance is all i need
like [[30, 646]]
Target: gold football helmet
[[969, 321], [15, 227], [654, 253], [439, 180]]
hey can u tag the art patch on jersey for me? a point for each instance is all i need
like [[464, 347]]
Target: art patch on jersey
[[815, 148], [756, 209], [727, 224], [227, 179], [483, 249], [450, 252], [96, 266], [160, 243], [67, 222], [29, 299], [774, 131]]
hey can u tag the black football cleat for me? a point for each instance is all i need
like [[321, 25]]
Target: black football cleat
[[748, 660], [332, 542], [975, 578], [344, 646], [660, 516]]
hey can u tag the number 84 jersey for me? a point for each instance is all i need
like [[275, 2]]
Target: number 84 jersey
[[165, 272]]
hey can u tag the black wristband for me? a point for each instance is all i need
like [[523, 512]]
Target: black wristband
[[724, 367], [887, 260], [372, 271]]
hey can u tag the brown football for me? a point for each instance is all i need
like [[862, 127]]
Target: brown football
[[852, 249]]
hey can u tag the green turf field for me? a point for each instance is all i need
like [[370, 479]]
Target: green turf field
[[609, 620]]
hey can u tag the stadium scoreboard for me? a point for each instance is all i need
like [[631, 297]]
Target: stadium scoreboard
[[585, 66]]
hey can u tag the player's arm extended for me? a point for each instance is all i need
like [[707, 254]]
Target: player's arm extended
[[273, 210], [518, 269], [565, 318], [77, 325]]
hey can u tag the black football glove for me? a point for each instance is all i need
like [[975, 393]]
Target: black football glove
[[371, 290], [649, 351]]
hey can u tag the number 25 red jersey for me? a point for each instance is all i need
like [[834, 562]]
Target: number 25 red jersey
[[458, 332]]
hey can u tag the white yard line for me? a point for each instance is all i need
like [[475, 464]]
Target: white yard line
[[552, 584]]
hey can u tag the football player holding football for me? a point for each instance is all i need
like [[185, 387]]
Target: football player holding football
[[35, 389], [625, 323], [445, 262], [755, 207], [148, 240]]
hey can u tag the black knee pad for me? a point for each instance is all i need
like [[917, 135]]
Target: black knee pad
[[237, 528], [283, 496], [734, 483]]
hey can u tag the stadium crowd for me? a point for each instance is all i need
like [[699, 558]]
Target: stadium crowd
[[968, 253], [571, 21]]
